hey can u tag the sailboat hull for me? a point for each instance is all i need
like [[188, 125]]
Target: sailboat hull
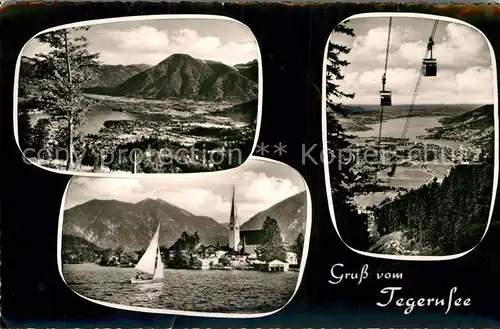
[[134, 281]]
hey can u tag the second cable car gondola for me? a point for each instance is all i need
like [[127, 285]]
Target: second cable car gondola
[[385, 98], [429, 67]]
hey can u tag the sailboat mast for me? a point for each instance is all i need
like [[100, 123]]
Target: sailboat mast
[[157, 246], [157, 256]]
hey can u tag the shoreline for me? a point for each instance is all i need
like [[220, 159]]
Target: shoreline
[[184, 269]]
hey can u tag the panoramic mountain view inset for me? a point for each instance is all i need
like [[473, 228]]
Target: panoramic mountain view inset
[[410, 114], [142, 96], [232, 245]]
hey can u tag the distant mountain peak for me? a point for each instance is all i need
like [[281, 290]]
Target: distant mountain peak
[[180, 55], [109, 224], [249, 70], [181, 76], [105, 75], [290, 214]]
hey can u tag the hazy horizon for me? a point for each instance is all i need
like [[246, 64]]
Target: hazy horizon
[[175, 205], [153, 65], [150, 41], [258, 185]]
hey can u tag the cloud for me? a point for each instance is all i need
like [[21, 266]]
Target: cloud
[[264, 189], [456, 46], [255, 192], [147, 44], [190, 39], [460, 46], [464, 64], [82, 189], [474, 85], [141, 39], [211, 48], [34, 47]]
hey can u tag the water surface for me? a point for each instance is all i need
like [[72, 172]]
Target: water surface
[[96, 118], [186, 290], [417, 127]]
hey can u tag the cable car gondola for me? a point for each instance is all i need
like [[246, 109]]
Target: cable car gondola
[[385, 98], [385, 95], [429, 65]]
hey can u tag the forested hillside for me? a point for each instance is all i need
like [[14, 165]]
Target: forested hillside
[[475, 127], [77, 250], [446, 218]]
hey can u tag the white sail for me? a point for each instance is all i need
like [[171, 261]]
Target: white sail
[[159, 267], [147, 261]]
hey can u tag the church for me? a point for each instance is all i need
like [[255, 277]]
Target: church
[[246, 241]]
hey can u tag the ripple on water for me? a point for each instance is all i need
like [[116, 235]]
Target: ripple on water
[[186, 290]]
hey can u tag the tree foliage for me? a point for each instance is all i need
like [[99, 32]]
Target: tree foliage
[[40, 135], [298, 246], [186, 243], [271, 247], [77, 250], [449, 217], [334, 68], [352, 226], [59, 75]]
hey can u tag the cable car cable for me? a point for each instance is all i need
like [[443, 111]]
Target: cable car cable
[[384, 81], [417, 86], [383, 93], [415, 93]]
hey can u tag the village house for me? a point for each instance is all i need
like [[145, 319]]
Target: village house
[[273, 266], [240, 253], [204, 263]]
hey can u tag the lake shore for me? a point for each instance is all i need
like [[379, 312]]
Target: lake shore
[[243, 292], [410, 176]]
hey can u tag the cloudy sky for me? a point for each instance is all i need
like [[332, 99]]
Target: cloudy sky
[[151, 41], [464, 62], [258, 184]]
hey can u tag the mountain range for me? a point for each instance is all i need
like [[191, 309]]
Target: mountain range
[[249, 70], [112, 223], [289, 213], [104, 75], [179, 76], [184, 77]]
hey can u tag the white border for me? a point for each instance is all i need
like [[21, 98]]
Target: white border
[[131, 19], [305, 252], [495, 116]]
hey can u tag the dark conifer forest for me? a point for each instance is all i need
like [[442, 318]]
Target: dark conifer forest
[[448, 218]]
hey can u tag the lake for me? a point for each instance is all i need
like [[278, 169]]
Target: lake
[[418, 126], [97, 117], [186, 290]]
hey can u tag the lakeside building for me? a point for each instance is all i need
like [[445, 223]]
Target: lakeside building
[[242, 241], [240, 253]]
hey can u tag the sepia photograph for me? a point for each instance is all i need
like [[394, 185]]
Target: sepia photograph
[[410, 128], [175, 94], [231, 243]]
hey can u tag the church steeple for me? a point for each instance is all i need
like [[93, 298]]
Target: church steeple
[[232, 216], [234, 229]]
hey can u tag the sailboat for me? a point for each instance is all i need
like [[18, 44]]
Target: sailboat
[[151, 262]]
